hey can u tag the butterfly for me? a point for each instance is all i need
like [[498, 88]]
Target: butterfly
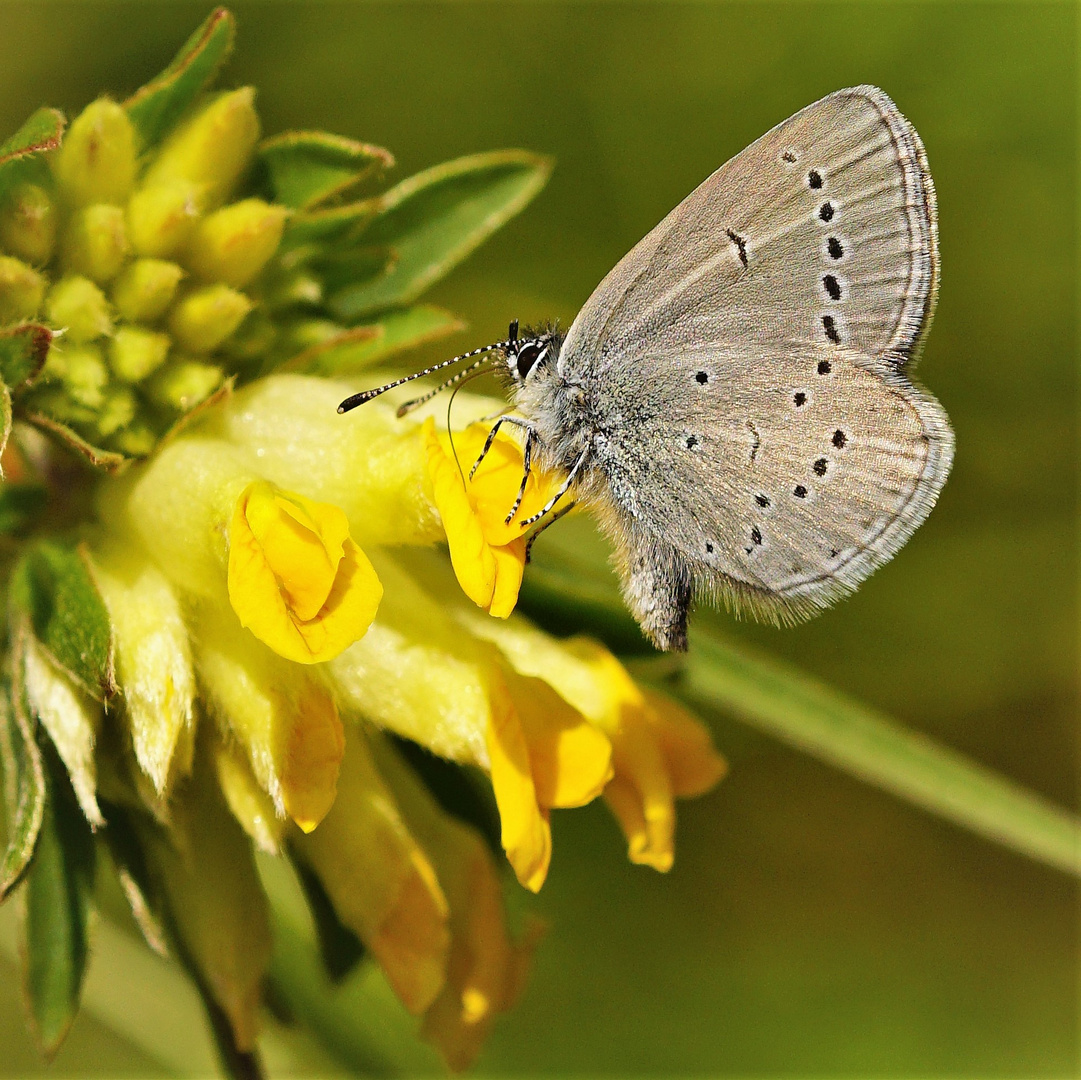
[[735, 400]]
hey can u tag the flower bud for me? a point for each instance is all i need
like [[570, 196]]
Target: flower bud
[[96, 242], [184, 383], [205, 317], [117, 410], [161, 217], [77, 306], [22, 289], [213, 149], [233, 244], [28, 223], [137, 440], [135, 352], [145, 289], [84, 374], [96, 162]]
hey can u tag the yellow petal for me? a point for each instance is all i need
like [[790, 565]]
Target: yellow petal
[[525, 830], [379, 880], [570, 759], [509, 570], [296, 579], [470, 553], [250, 804], [693, 764]]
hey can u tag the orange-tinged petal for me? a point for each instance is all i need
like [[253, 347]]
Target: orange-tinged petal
[[311, 756], [694, 765], [381, 883], [296, 579]]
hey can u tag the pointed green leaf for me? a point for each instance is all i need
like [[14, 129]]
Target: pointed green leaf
[[52, 587], [156, 107], [19, 155], [395, 332], [333, 225], [23, 350], [357, 266], [308, 167], [59, 884], [435, 219], [24, 780], [20, 506], [109, 461]]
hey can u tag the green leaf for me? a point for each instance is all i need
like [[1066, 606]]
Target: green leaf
[[109, 461], [53, 588], [395, 332], [24, 780], [23, 350], [19, 158], [20, 506], [332, 225], [59, 885], [308, 167], [435, 219], [133, 872], [338, 269], [155, 108], [805, 713]]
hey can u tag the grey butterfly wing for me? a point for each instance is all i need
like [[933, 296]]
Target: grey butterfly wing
[[807, 265]]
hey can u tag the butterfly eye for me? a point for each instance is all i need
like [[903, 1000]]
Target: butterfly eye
[[527, 357]]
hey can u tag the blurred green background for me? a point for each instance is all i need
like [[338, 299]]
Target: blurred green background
[[812, 925]]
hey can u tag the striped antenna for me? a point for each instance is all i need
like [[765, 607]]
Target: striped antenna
[[454, 380], [367, 395]]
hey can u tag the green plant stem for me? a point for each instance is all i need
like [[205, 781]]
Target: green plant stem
[[810, 716]]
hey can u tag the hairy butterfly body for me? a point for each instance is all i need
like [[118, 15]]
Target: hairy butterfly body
[[734, 398]]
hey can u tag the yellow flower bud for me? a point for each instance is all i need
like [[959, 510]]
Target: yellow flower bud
[[296, 578], [117, 410], [233, 244], [95, 242], [28, 223], [213, 149], [96, 161], [138, 440], [84, 373], [145, 289], [22, 289], [281, 717], [182, 384], [161, 217], [205, 317], [134, 352], [78, 307]]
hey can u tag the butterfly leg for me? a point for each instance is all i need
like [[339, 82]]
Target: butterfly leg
[[491, 439], [560, 493], [527, 461], [563, 511], [657, 587]]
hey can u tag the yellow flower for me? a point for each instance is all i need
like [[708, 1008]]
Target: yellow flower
[[487, 552], [296, 579], [659, 751]]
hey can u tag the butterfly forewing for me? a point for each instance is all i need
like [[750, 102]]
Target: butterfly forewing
[[747, 358]]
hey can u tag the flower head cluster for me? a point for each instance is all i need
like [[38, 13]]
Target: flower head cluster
[[258, 618]]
